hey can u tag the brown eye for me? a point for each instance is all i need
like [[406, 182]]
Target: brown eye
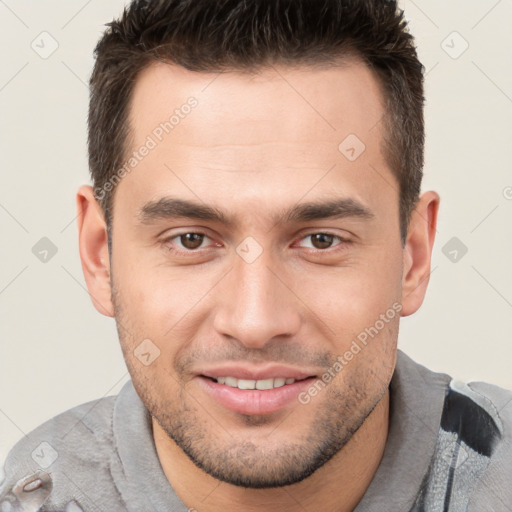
[[191, 240], [322, 240]]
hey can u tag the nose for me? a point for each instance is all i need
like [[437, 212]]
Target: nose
[[257, 304]]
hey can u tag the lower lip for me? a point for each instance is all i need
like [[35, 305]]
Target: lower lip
[[255, 401]]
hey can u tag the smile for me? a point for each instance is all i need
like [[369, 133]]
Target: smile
[[251, 396], [254, 384]]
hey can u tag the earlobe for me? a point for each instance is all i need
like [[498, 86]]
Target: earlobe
[[93, 246], [418, 251]]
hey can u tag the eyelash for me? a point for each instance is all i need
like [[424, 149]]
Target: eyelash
[[191, 252]]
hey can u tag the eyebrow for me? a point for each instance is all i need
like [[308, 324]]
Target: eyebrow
[[169, 208]]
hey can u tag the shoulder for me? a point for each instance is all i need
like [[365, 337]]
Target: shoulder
[[494, 488], [478, 412], [77, 440], [501, 398], [472, 464]]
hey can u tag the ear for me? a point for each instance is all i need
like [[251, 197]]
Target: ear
[[93, 244], [418, 251]]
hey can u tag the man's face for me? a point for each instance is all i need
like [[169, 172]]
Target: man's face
[[267, 284]]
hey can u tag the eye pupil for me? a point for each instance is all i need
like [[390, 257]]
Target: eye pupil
[[322, 240], [191, 240]]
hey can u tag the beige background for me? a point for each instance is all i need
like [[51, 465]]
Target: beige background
[[57, 351]]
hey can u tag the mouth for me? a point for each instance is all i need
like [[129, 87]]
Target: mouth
[[255, 396], [260, 384]]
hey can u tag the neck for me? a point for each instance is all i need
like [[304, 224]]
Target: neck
[[337, 486]]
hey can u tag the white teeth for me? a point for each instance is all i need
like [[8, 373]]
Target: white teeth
[[231, 381], [254, 384], [265, 384], [246, 384]]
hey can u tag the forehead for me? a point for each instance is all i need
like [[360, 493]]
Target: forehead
[[278, 130], [297, 102]]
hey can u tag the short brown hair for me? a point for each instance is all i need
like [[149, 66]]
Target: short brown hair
[[224, 35]]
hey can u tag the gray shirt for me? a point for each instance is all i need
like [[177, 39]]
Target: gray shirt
[[449, 449]]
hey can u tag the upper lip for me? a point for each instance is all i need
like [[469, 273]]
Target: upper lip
[[254, 373]]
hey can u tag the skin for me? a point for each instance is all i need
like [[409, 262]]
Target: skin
[[253, 147]]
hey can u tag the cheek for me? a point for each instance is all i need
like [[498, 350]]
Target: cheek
[[162, 304], [361, 300], [150, 290]]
